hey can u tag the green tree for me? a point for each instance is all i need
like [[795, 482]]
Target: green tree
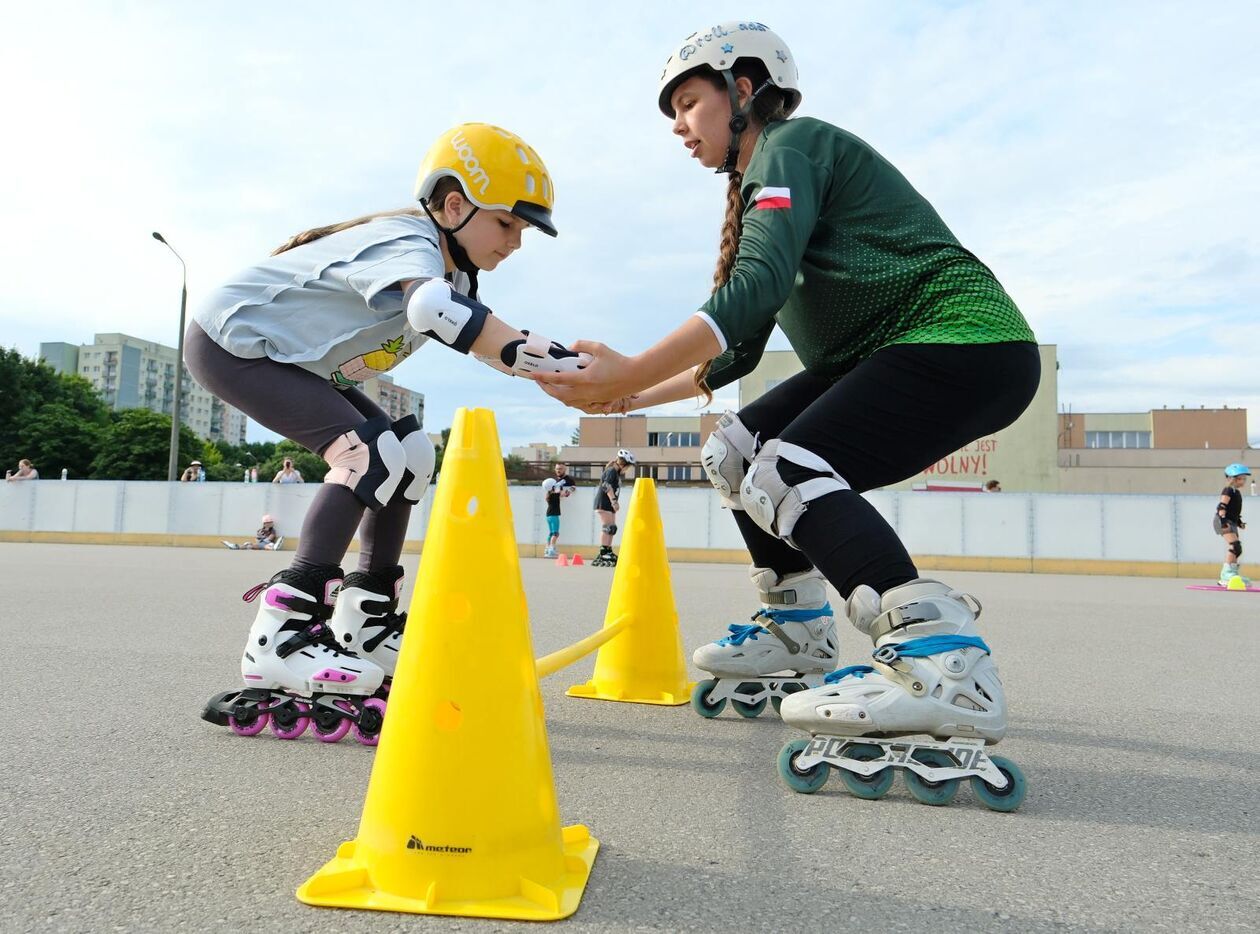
[[51, 418], [216, 465], [137, 444], [312, 467], [440, 451], [56, 437]]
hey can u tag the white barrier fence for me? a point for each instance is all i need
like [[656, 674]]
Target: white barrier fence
[[1135, 528]]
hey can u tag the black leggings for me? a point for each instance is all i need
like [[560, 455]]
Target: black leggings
[[895, 413], [297, 404]]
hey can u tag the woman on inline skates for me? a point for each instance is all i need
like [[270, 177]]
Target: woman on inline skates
[[288, 340], [607, 504], [911, 349]]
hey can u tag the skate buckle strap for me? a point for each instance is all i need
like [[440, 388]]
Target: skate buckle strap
[[317, 634], [251, 595], [912, 648], [774, 617], [740, 634], [390, 624], [928, 645]]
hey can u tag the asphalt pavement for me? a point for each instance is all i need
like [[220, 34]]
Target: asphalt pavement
[[1134, 715]]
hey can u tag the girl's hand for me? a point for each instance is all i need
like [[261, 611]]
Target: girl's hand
[[609, 376], [617, 407]]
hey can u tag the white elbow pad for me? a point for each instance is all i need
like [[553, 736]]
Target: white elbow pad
[[438, 311]]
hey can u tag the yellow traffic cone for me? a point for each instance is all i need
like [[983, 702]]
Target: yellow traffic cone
[[644, 664], [461, 816]]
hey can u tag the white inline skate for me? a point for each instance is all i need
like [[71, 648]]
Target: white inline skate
[[365, 620], [931, 676], [787, 647], [295, 674], [1229, 572]]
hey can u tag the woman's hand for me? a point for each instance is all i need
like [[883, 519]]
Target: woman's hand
[[608, 380]]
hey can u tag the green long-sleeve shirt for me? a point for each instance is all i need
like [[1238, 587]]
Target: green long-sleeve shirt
[[842, 252]]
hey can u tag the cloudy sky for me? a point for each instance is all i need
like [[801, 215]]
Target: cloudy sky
[[1102, 158]]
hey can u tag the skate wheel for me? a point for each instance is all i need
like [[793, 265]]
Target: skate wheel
[[777, 701], [803, 781], [371, 719], [327, 726], [747, 710], [700, 702], [928, 792], [289, 719], [250, 721], [871, 787], [1002, 799]]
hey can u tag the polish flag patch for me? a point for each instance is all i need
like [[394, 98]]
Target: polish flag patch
[[772, 199]]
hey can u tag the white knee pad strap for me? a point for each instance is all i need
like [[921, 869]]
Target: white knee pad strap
[[725, 455], [776, 505], [370, 461], [420, 458]]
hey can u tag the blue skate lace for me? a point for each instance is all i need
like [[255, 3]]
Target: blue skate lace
[[912, 648], [740, 634]]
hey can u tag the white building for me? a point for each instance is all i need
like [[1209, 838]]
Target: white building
[[131, 373]]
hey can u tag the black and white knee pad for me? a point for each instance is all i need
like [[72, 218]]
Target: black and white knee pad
[[777, 505], [725, 457], [420, 458], [370, 461], [1235, 549]]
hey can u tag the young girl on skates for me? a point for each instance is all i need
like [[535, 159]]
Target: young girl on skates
[[288, 341], [911, 349]]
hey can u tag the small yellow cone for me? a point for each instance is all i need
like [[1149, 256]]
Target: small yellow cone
[[1236, 583], [461, 815], [644, 664]]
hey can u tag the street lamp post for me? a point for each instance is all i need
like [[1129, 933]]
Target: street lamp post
[[172, 467]]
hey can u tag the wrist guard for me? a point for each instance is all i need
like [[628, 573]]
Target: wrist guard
[[536, 354]]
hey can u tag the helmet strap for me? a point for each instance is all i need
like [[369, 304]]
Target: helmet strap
[[459, 256], [739, 121]]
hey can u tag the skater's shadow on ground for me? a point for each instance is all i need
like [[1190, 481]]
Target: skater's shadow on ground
[[797, 892], [1189, 751]]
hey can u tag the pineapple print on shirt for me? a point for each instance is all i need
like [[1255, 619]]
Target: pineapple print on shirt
[[365, 366]]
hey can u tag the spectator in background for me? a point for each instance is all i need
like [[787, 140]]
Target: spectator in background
[[265, 539], [26, 471], [288, 474], [194, 474], [993, 486]]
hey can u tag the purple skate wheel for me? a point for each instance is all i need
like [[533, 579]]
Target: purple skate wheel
[[289, 720], [250, 725], [371, 719], [327, 726]]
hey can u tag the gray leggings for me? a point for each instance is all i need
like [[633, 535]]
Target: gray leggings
[[297, 404]]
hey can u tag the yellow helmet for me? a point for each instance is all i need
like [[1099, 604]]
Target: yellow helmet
[[498, 170]]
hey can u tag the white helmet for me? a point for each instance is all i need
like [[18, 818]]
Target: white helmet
[[626, 456], [719, 47]]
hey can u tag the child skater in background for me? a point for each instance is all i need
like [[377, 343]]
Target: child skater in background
[[1228, 520], [289, 340]]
